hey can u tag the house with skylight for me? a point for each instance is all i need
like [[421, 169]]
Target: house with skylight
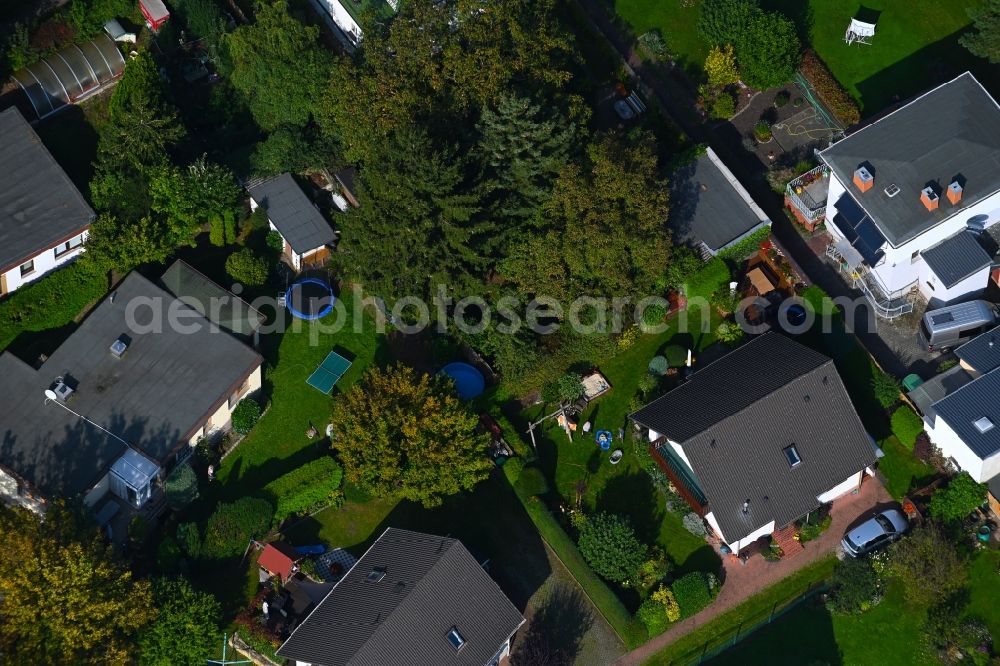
[[911, 199], [412, 598]]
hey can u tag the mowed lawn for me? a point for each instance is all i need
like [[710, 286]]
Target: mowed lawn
[[915, 45], [887, 634]]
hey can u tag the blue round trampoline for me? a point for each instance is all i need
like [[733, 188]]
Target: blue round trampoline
[[469, 382], [310, 298]]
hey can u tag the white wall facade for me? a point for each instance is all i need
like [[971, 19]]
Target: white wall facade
[[952, 446], [937, 294], [44, 262], [95, 494], [899, 269], [343, 19], [219, 421], [737, 546], [842, 488]]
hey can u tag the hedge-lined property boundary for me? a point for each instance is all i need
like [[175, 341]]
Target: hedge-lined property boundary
[[830, 92], [629, 630]]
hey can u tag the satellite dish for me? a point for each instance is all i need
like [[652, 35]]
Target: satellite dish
[[51, 395]]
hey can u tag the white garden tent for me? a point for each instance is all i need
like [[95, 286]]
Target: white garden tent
[[859, 32]]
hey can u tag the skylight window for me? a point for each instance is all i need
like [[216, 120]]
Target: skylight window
[[455, 639], [377, 574], [793, 456], [983, 424]]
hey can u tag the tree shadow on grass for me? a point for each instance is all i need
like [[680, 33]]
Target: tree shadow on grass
[[556, 630], [633, 495]]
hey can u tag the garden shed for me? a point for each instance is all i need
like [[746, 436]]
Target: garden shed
[[155, 13], [71, 75], [133, 476]]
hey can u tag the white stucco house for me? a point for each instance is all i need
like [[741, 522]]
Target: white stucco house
[[308, 237], [759, 438], [120, 402], [910, 195], [43, 217], [961, 409]]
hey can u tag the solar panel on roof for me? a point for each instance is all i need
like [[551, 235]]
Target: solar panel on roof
[[846, 228], [943, 318], [850, 209]]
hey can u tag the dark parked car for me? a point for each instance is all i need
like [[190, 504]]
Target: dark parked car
[[874, 533]]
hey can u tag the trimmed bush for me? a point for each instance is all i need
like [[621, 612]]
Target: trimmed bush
[[694, 524], [246, 267], [856, 586], [181, 487], [830, 92], [275, 242], [906, 425], [958, 499], [52, 301], [658, 365], [246, 415], [885, 387], [610, 546], [781, 99], [724, 106], [692, 592], [748, 246], [762, 131], [653, 614], [306, 489], [231, 527]]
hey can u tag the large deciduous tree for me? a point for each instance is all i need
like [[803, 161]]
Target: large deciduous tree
[[123, 245], [188, 198], [984, 39], [928, 565], [185, 631], [768, 52], [278, 66], [65, 597], [607, 224], [400, 434]]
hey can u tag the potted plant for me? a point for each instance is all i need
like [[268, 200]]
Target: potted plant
[[762, 132]]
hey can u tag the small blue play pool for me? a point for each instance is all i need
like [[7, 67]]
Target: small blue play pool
[[469, 382]]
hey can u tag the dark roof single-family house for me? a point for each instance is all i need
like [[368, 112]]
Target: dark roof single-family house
[[292, 215], [126, 373], [412, 598], [709, 208], [40, 207], [759, 437]]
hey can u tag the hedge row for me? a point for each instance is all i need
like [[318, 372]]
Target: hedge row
[[51, 302], [231, 527], [830, 92], [747, 246], [306, 489]]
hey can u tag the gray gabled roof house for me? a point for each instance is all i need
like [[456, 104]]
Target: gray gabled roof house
[[961, 409], [308, 236], [122, 400], [43, 217], [709, 209], [759, 438], [412, 598], [910, 192]]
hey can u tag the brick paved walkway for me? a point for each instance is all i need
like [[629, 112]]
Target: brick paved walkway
[[745, 580]]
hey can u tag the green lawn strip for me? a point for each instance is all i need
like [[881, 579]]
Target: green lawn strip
[[984, 589], [886, 634], [677, 24], [715, 633], [902, 470]]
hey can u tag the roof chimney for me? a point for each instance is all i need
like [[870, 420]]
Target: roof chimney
[[863, 179], [955, 192], [929, 198]]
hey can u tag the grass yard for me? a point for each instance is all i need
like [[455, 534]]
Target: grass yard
[[915, 45], [903, 471], [676, 21], [580, 467], [887, 634]]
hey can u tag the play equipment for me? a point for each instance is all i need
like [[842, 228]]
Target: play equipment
[[469, 382], [616, 456], [859, 32], [310, 298], [604, 439], [329, 372]]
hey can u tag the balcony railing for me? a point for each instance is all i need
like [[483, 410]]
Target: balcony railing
[[808, 192], [885, 305]]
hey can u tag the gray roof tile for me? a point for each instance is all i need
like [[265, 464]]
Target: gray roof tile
[[961, 410], [296, 218], [956, 258], [165, 385], [735, 417], [431, 584], [952, 130], [982, 353], [39, 205]]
